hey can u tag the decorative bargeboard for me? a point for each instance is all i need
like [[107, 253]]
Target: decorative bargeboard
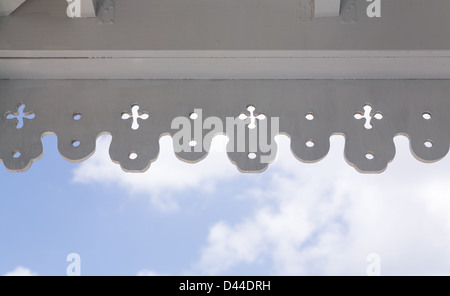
[[370, 113]]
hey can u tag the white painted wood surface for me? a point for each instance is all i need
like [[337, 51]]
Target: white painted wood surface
[[232, 39], [8, 6], [326, 8]]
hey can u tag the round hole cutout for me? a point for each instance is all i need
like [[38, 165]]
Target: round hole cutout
[[428, 144], [77, 116], [309, 116], [310, 143], [16, 154], [370, 156], [133, 155], [426, 115], [76, 143], [252, 155]]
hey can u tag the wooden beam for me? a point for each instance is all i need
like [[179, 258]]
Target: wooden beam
[[327, 8], [8, 6], [88, 8], [82, 8]]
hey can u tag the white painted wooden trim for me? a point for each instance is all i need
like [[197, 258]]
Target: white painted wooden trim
[[397, 67], [233, 39]]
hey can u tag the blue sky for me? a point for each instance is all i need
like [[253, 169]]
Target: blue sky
[[209, 219]]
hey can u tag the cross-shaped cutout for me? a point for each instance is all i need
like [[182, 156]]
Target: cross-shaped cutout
[[251, 109], [368, 116], [20, 115], [135, 114]]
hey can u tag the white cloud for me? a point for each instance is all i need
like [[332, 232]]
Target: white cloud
[[166, 176], [21, 271], [322, 218], [327, 218]]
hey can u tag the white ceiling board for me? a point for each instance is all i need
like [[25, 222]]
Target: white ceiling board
[[242, 25], [232, 39]]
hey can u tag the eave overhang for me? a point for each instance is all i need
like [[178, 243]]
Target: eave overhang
[[171, 57]]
